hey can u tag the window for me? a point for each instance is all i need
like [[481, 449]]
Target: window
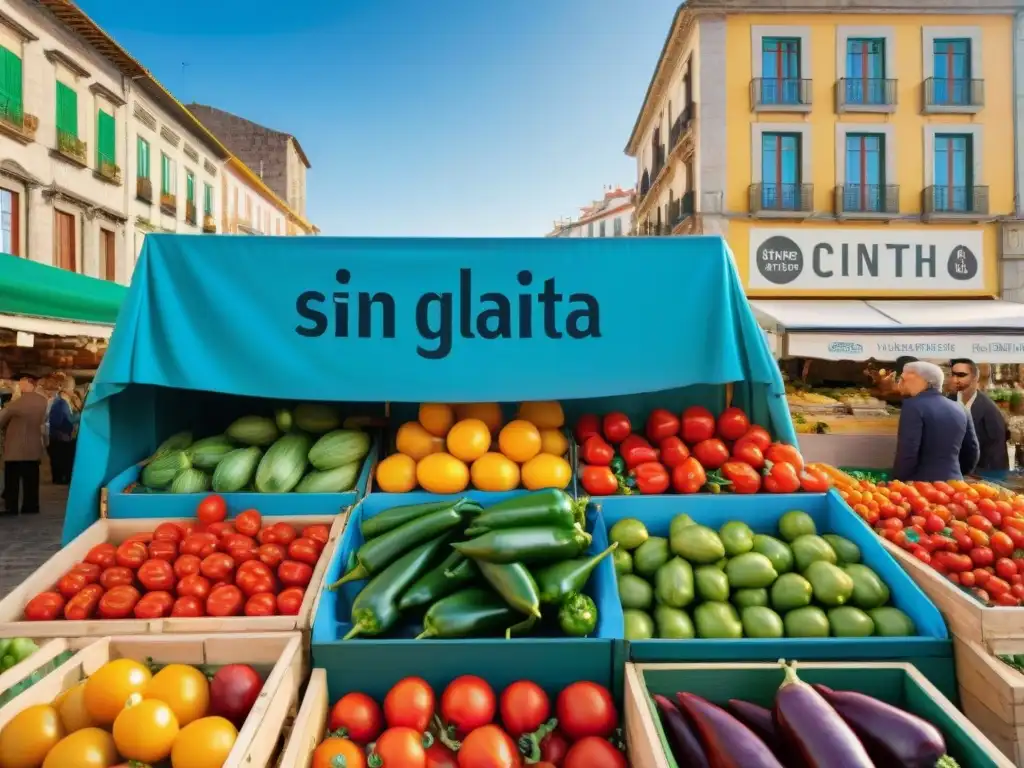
[[865, 71], [190, 187], [590, 229], [952, 82], [780, 70], [142, 158], [108, 255], [954, 164], [865, 173], [11, 107], [166, 175], [207, 199], [617, 228], [780, 171], [10, 220], [64, 240], [105, 139], [67, 110], [601, 229]]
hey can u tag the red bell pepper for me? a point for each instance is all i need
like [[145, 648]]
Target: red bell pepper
[[661, 424], [588, 426], [635, 450], [813, 480], [711, 453], [616, 427], [597, 452], [688, 477], [781, 477], [782, 453], [747, 452], [651, 477], [741, 477], [673, 451], [697, 424], [599, 481]]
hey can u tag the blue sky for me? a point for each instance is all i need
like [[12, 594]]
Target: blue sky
[[420, 117]]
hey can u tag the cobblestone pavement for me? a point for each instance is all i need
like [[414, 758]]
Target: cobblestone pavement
[[27, 542]]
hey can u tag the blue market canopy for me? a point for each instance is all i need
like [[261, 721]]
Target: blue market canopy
[[421, 320]]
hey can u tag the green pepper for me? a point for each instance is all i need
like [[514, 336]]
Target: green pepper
[[375, 610], [514, 583], [390, 519], [618, 465], [578, 615], [547, 507], [469, 612], [378, 553], [532, 544], [557, 580], [439, 581]]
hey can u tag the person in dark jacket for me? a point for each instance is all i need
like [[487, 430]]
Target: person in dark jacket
[[989, 425], [936, 439]]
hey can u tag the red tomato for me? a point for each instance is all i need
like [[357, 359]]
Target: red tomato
[[661, 424], [117, 576], [289, 602], [186, 565], [409, 703], [243, 554], [83, 605], [46, 606], [199, 544], [187, 607], [780, 452], [131, 554], [212, 509], [689, 477], [70, 584], [102, 555], [155, 605], [231, 540], [402, 748], [467, 703], [252, 582], [592, 752], [524, 707], [616, 427], [981, 576], [225, 601], [553, 748], [996, 587], [272, 554], [982, 556], [489, 747], [221, 529], [157, 575], [673, 451], [732, 424], [359, 716], [1002, 544], [758, 436], [168, 532], [217, 566], [698, 424], [261, 604], [1005, 568], [119, 602], [747, 452], [711, 453], [1007, 600], [318, 532], [304, 551], [293, 574], [934, 524], [161, 549], [248, 522], [586, 709], [742, 478], [90, 571], [283, 534], [194, 585], [439, 756]]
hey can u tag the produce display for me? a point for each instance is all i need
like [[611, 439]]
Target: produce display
[[207, 567], [133, 714], [972, 533], [454, 447], [16, 650], [300, 450], [733, 583], [807, 727], [688, 454], [462, 570], [470, 725]]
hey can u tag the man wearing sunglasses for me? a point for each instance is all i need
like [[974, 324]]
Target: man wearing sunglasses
[[989, 424]]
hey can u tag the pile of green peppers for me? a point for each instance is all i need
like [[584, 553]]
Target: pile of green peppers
[[469, 571]]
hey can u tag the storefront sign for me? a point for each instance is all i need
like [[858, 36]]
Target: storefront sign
[[983, 349], [830, 260]]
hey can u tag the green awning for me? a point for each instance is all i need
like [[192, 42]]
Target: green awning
[[31, 289]]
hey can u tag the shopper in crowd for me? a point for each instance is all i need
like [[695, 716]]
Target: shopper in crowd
[[936, 439], [62, 422], [22, 423], [989, 425]]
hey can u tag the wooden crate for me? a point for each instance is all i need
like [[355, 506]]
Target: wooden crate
[[47, 654], [12, 607], [992, 693], [310, 725], [276, 655]]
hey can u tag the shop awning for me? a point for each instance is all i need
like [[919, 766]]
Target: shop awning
[[38, 298], [988, 331]]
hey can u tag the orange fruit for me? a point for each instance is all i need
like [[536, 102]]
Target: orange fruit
[[489, 413], [543, 414], [546, 471], [416, 442], [494, 472], [436, 418], [397, 474], [442, 473], [519, 440], [553, 441], [469, 439]]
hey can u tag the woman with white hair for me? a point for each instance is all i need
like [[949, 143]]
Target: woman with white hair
[[936, 438]]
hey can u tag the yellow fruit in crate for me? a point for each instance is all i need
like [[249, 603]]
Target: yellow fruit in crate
[[489, 413], [204, 743], [184, 688], [71, 706], [546, 471], [414, 441], [436, 418], [145, 731], [87, 748], [442, 473], [397, 474], [543, 414], [109, 688], [519, 440], [468, 440], [553, 441], [29, 736], [494, 472]]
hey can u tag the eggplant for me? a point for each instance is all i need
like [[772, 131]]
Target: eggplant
[[814, 731], [728, 743], [686, 746], [759, 720], [892, 736]]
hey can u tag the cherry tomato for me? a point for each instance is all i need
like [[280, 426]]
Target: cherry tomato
[[261, 604], [272, 554], [592, 752], [282, 533], [103, 555], [1002, 544], [586, 709], [83, 605], [980, 522], [199, 544], [1007, 600], [186, 565], [334, 751], [212, 509], [467, 703], [967, 579], [304, 551], [488, 746], [194, 585], [46, 606], [524, 708], [249, 522], [934, 523], [409, 703], [70, 584], [187, 606], [117, 576], [293, 574], [982, 556], [1005, 568], [168, 532], [217, 566], [119, 602], [401, 747], [154, 605], [554, 747], [358, 716], [157, 575], [131, 554], [1017, 590], [996, 587], [161, 549], [289, 601], [318, 532], [981, 576], [225, 601]]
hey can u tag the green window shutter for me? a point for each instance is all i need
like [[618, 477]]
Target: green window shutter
[[10, 86], [67, 110], [207, 199], [105, 130], [190, 187], [165, 175], [142, 158]]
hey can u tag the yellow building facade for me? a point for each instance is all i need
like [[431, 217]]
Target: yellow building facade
[[858, 155]]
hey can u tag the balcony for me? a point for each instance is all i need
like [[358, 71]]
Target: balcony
[[856, 94], [15, 123], [190, 212], [780, 94], [209, 224], [867, 201], [781, 201], [659, 162], [70, 148], [945, 203], [169, 204], [108, 172], [680, 137], [653, 229], [144, 189], [953, 96]]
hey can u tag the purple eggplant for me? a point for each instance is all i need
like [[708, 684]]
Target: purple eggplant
[[813, 730], [892, 736], [728, 743], [759, 720], [685, 745]]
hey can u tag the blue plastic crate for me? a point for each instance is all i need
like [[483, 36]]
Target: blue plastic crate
[[178, 505]]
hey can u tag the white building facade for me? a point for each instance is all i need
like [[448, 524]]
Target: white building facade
[[611, 216], [249, 209]]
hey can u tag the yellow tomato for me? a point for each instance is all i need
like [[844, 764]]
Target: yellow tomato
[[546, 471], [29, 736], [396, 474], [87, 748], [73, 713], [554, 441], [204, 743], [469, 439], [145, 731], [108, 689], [182, 688], [543, 415], [489, 413], [442, 473], [414, 441], [519, 440], [436, 418], [494, 472]]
